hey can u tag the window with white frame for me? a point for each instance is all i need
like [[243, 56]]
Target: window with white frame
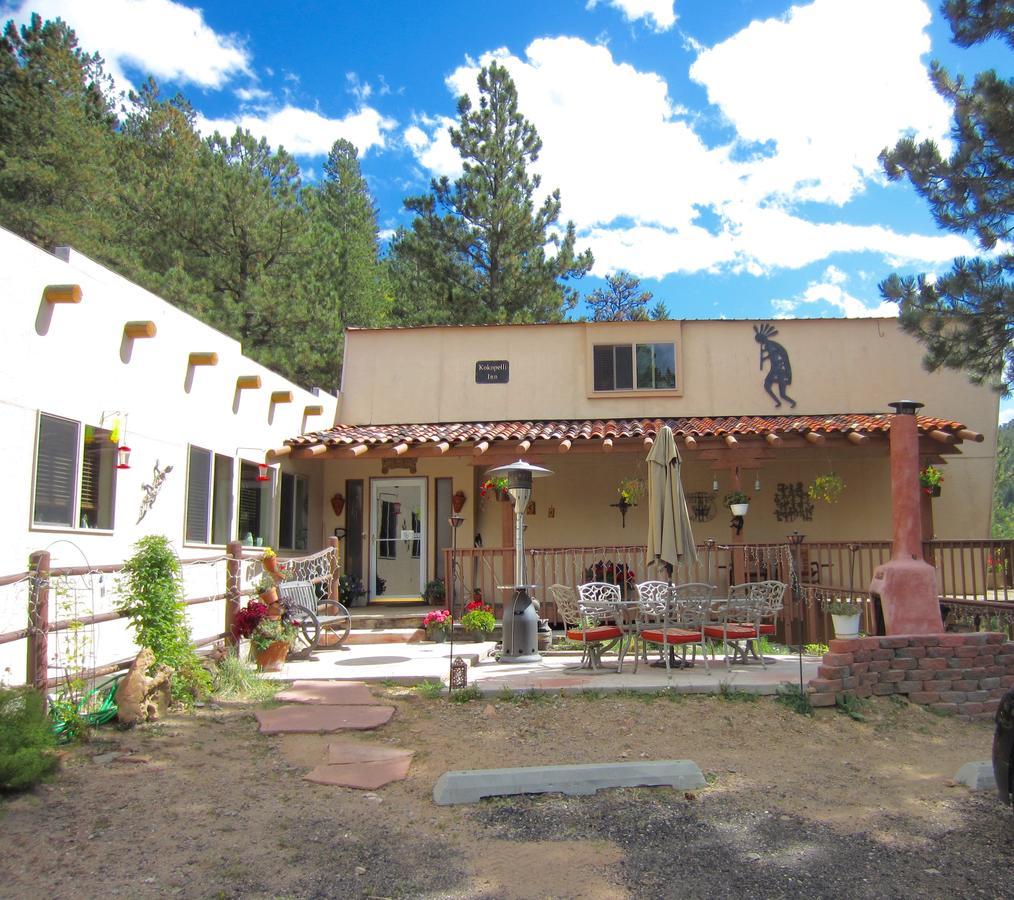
[[634, 367], [209, 497], [293, 516], [255, 508], [75, 475]]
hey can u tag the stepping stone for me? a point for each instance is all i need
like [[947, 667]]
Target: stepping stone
[[366, 775], [311, 718], [333, 693], [471, 786], [347, 752], [978, 776]]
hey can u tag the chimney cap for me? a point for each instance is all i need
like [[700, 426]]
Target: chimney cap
[[906, 407]]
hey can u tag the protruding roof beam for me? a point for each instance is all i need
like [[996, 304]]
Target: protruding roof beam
[[564, 445], [277, 453], [524, 446], [942, 437], [817, 439], [773, 439], [480, 448], [281, 396], [248, 382], [202, 359], [443, 446], [730, 440], [690, 441], [62, 293], [400, 449], [856, 438], [648, 442], [313, 409], [318, 450], [359, 449], [967, 435], [607, 445], [135, 330]]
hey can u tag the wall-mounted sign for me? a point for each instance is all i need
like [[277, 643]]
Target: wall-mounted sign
[[492, 371]]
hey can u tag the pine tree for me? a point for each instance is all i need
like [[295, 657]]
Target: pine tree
[[966, 317], [623, 301], [480, 242]]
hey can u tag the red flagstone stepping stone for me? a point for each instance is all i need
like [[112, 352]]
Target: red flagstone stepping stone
[[347, 752], [366, 776], [317, 717], [333, 693]]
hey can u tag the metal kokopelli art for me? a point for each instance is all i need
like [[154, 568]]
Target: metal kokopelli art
[[777, 358]]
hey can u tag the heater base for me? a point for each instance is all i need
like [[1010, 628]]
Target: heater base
[[523, 658]]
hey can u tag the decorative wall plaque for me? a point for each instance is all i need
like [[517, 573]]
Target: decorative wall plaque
[[792, 502], [492, 371], [701, 506]]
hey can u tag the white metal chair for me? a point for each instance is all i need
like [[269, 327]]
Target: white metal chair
[[674, 615]]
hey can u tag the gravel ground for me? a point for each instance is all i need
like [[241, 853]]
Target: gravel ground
[[204, 806]]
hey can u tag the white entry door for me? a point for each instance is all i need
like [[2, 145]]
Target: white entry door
[[397, 538]]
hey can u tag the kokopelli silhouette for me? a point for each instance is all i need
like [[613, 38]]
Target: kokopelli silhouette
[[777, 357]]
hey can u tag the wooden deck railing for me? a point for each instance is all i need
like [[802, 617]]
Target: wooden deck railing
[[974, 577]]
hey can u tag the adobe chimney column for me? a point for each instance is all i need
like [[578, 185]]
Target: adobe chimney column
[[907, 585]]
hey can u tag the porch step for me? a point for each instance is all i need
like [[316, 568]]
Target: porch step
[[387, 620], [385, 636]]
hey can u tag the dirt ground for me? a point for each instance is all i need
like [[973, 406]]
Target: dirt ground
[[203, 806]]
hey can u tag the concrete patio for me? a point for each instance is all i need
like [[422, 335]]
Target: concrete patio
[[412, 663]]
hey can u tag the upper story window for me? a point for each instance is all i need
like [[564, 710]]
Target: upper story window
[[209, 498], [75, 475], [634, 367], [293, 518]]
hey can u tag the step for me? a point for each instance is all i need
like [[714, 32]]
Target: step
[[385, 636]]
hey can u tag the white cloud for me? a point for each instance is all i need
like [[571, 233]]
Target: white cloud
[[156, 37], [306, 132], [1006, 411], [430, 142], [829, 296], [252, 95], [661, 12]]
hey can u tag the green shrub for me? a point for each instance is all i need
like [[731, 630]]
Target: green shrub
[[430, 689], [233, 678], [153, 586], [466, 694], [26, 739], [794, 698]]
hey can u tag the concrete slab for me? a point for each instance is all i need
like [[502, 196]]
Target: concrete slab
[[367, 776], [346, 752], [978, 776], [316, 718], [470, 786], [333, 693]]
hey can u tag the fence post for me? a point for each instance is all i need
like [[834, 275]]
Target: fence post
[[334, 544], [233, 565], [38, 622]]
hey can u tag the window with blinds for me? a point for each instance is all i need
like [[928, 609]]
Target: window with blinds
[[75, 475], [627, 367], [254, 506], [209, 498]]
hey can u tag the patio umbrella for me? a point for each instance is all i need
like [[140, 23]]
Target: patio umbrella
[[670, 538]]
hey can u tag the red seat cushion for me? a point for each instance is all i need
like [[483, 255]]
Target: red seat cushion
[[734, 632], [672, 636], [598, 633], [767, 628]]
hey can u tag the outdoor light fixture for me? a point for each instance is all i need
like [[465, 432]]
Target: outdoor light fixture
[[714, 485], [123, 457], [459, 674], [756, 483]]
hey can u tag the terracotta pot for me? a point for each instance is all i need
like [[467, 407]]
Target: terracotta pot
[[458, 501], [269, 597], [270, 659], [338, 504], [270, 564]]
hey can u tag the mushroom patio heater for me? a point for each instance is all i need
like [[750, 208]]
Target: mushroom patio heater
[[520, 619]]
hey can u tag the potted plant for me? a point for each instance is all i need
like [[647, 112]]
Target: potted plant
[[434, 592], [930, 479], [270, 561], [458, 499], [351, 591], [738, 502], [827, 488], [845, 614], [996, 569], [496, 486], [267, 590], [437, 622], [270, 636], [630, 491], [478, 621]]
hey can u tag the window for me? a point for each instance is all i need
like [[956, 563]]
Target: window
[[209, 498], [75, 475], [293, 520], [627, 367], [254, 506]]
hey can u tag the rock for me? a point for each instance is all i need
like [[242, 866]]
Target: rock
[[140, 697], [978, 776], [360, 870], [104, 758]]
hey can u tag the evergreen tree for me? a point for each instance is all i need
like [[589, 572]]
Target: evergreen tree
[[622, 301], [966, 317], [480, 242], [56, 133]]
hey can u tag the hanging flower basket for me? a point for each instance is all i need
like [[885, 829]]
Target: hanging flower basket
[[930, 479], [826, 488]]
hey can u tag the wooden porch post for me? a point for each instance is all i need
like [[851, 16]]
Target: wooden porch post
[[332, 585], [232, 590], [38, 622]]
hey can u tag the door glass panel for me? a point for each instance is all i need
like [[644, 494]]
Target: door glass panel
[[354, 528], [399, 558]]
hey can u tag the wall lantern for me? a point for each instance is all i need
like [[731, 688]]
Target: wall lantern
[[338, 504], [123, 457], [459, 674], [262, 472]]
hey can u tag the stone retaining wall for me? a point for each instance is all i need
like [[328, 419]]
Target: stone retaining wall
[[963, 674]]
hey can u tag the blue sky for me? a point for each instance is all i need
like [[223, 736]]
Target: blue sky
[[725, 151]]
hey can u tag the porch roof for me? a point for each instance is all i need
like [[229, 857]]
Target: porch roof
[[603, 435]]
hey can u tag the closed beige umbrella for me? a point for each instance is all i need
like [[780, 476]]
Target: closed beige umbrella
[[670, 538]]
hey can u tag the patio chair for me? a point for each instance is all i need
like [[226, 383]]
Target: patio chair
[[318, 622], [588, 618], [736, 621], [674, 615]]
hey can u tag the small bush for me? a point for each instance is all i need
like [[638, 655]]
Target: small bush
[[850, 705], [26, 739], [235, 679], [466, 694], [795, 699], [731, 695], [431, 690]]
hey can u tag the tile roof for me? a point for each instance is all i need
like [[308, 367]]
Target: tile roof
[[597, 429]]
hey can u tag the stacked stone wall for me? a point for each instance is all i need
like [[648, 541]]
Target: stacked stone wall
[[962, 674]]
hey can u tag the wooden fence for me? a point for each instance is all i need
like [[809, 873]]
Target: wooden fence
[[42, 585]]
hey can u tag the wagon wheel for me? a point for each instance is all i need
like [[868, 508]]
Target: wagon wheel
[[307, 630], [334, 632]]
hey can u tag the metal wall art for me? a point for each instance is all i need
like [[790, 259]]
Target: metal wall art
[[792, 502], [151, 490], [701, 506], [777, 358]]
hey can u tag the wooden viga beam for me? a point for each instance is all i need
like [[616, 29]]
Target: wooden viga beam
[[277, 453], [135, 330], [202, 359], [248, 382], [62, 293], [281, 396]]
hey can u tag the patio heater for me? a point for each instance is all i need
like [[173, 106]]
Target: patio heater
[[520, 619]]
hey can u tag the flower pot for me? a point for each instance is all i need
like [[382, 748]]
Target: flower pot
[[437, 635], [270, 599], [846, 626], [270, 659], [739, 509], [270, 564], [476, 635]]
